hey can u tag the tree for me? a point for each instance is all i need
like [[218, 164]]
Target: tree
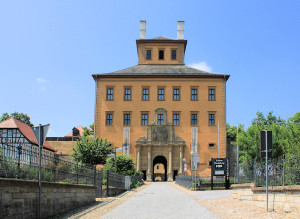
[[19, 116], [286, 136], [88, 131], [92, 126], [232, 131], [125, 165], [91, 151]]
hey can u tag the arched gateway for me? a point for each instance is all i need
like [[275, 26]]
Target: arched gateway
[[160, 141]]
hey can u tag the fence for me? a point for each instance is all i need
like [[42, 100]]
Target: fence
[[202, 182], [282, 171], [136, 179], [115, 180], [22, 163], [184, 180]]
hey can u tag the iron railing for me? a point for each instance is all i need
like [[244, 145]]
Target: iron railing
[[136, 179], [115, 180], [22, 163], [282, 171], [184, 180]]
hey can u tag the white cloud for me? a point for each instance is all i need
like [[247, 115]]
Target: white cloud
[[201, 66], [41, 83], [41, 80]]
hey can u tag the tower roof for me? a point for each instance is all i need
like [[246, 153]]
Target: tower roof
[[161, 70]]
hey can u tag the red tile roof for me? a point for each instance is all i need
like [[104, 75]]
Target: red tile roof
[[80, 129], [25, 129]]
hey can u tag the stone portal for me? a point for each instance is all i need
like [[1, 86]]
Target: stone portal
[[160, 141]]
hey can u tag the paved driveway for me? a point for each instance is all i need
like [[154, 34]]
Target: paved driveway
[[160, 200]]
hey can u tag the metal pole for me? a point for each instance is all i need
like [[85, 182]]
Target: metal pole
[[40, 171], [195, 176], [267, 171], [237, 153], [115, 168], [283, 170], [218, 140]]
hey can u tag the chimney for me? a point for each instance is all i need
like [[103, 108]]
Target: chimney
[[180, 30], [142, 29]]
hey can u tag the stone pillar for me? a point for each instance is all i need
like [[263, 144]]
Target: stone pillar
[[138, 158], [149, 171], [170, 173], [180, 161]]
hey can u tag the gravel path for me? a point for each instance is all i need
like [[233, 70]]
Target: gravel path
[[160, 200]]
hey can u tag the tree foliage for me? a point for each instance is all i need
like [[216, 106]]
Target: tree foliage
[[19, 116], [286, 136], [88, 131], [91, 151], [125, 165]]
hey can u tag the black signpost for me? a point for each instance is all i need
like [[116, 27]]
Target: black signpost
[[40, 133], [220, 167], [266, 146]]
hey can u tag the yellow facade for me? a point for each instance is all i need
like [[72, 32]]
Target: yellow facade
[[140, 77]]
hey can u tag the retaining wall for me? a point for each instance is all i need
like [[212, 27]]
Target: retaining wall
[[19, 198], [284, 199]]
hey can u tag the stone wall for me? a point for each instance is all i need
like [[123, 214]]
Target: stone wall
[[112, 192], [284, 199], [19, 198]]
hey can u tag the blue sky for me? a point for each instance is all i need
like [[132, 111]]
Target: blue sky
[[50, 49]]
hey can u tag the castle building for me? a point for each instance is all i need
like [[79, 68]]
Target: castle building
[[162, 111]]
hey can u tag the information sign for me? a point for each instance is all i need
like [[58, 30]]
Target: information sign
[[266, 138], [119, 149], [111, 156], [219, 166], [196, 158]]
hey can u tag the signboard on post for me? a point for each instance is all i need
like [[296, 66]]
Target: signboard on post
[[266, 146], [119, 149], [111, 155], [266, 143], [44, 132], [40, 132], [220, 167], [195, 159]]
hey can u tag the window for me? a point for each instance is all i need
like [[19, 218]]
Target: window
[[9, 133], [174, 54], [145, 94], [175, 119], [161, 54], [109, 118], [211, 94], [126, 119], [211, 119], [161, 94], [110, 94], [148, 54], [194, 94], [194, 119], [144, 119], [211, 145], [127, 94], [176, 94], [160, 119], [157, 167]]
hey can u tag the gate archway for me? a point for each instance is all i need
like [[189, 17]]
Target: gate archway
[[158, 174]]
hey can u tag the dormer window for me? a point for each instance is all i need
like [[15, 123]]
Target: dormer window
[[161, 54], [148, 54]]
